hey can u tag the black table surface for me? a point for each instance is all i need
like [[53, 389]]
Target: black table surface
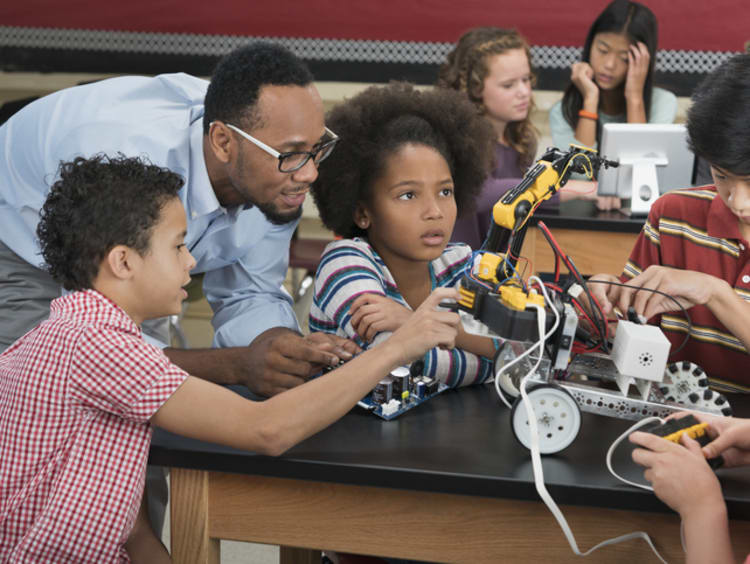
[[459, 442], [583, 215]]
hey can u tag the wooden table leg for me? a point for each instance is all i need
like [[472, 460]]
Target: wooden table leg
[[191, 542], [292, 555]]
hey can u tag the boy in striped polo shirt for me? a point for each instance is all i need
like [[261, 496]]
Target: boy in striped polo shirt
[[694, 245]]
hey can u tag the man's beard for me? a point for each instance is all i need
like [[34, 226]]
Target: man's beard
[[274, 216]]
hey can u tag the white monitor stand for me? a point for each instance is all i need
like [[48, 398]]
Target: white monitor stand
[[654, 158], [644, 182]]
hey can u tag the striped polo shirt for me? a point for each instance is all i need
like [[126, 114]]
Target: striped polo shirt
[[694, 230], [352, 267]]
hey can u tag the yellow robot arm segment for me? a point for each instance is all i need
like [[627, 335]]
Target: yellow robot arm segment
[[540, 183], [515, 298]]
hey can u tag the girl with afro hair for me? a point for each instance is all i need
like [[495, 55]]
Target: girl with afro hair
[[407, 164]]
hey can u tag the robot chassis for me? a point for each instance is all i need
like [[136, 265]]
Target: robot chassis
[[495, 303], [594, 384]]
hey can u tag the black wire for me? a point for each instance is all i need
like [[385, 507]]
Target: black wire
[[655, 291], [597, 317]]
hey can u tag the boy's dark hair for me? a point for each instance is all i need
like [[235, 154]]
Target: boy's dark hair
[[718, 118], [96, 204], [233, 92], [376, 123], [636, 21]]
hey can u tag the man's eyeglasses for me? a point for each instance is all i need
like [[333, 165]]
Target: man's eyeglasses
[[294, 160]]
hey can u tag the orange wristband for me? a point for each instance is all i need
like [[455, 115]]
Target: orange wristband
[[588, 115]]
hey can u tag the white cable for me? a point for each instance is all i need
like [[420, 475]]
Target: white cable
[[539, 344], [500, 393], [536, 459], [619, 439]]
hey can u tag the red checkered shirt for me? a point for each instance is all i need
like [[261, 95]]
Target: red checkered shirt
[[694, 230], [76, 395]]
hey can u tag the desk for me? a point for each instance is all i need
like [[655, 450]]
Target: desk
[[598, 241], [445, 482]]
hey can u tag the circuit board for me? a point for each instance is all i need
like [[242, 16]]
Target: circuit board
[[420, 390]]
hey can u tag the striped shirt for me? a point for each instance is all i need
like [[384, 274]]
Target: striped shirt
[[694, 230], [76, 396], [351, 267]]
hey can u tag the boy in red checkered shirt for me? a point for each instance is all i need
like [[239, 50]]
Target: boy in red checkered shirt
[[79, 392]]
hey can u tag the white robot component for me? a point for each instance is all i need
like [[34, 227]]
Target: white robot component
[[640, 354]]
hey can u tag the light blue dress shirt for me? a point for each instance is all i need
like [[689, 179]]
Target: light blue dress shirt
[[243, 255]]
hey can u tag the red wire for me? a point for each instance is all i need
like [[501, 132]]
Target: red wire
[[579, 307], [559, 250]]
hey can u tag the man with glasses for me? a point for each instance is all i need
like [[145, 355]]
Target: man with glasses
[[248, 145]]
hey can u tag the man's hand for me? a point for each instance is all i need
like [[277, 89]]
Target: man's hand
[[679, 473], [280, 359], [373, 313], [277, 360], [342, 347]]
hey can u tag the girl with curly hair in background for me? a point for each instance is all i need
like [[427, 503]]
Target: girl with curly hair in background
[[492, 67]]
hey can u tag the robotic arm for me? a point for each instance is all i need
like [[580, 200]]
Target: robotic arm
[[493, 293]]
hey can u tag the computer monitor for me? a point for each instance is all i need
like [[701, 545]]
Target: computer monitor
[[654, 158]]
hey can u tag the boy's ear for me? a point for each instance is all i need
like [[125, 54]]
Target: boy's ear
[[361, 217], [120, 262]]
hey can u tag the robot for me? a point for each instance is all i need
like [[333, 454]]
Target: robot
[[573, 367]]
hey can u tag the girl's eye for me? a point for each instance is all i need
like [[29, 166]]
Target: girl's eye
[[406, 196], [181, 246], [447, 191]]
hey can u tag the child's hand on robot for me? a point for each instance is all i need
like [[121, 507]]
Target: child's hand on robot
[[687, 287], [607, 295]]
